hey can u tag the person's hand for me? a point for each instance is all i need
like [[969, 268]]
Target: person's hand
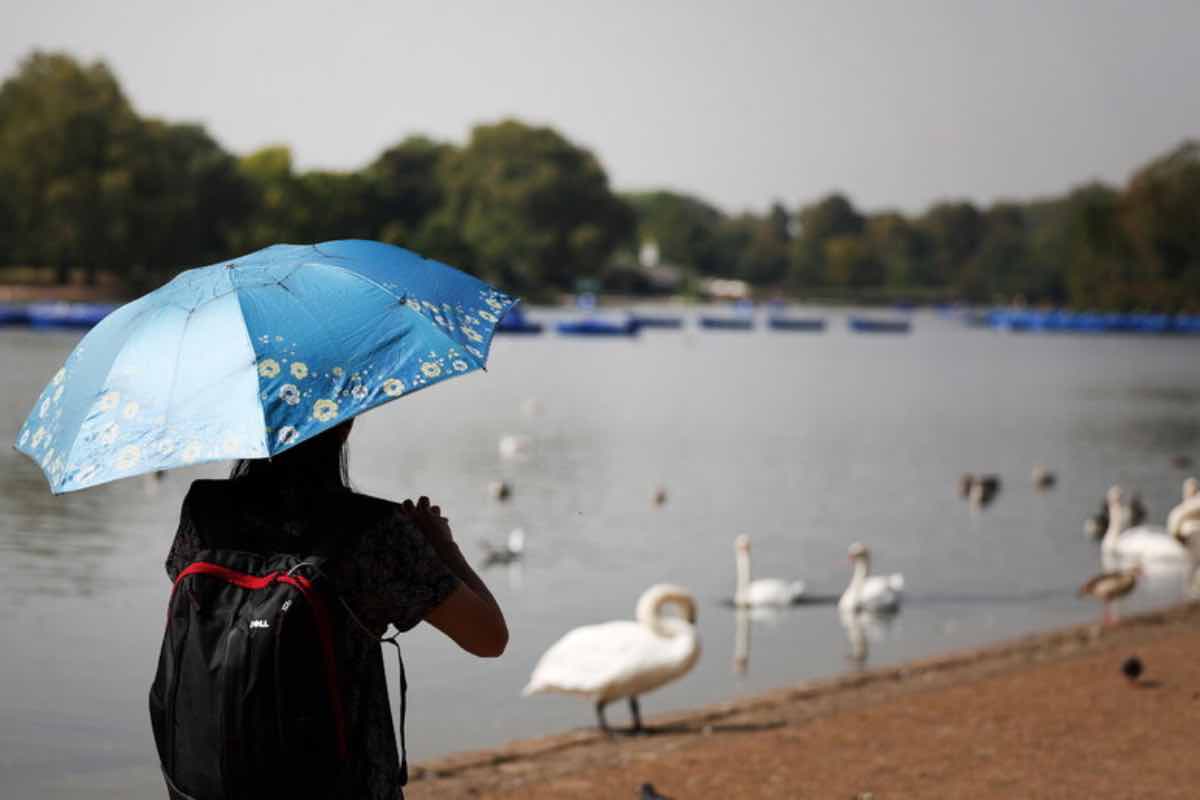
[[429, 520]]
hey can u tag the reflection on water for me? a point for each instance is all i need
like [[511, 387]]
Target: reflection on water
[[1169, 433], [1176, 395], [862, 629], [807, 443], [741, 641]]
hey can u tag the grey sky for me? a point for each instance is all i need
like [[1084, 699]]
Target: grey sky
[[896, 103]]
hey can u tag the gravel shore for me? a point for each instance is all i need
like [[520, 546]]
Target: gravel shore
[[1047, 716]]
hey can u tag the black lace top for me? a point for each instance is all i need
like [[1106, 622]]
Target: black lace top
[[382, 566]]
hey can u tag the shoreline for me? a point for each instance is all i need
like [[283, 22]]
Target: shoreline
[[582, 763]]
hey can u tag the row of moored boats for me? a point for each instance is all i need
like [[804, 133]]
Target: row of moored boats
[[55, 315], [632, 324], [1063, 321]]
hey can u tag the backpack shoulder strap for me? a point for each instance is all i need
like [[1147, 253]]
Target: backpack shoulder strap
[[393, 640], [316, 564]]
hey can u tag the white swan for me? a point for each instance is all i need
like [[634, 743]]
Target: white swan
[[867, 593], [1184, 520], [1142, 543], [612, 660], [764, 591]]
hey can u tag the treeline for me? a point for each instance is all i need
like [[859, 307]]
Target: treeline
[[90, 185], [1095, 247]]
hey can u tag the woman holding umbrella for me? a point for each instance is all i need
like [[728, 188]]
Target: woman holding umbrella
[[267, 359], [392, 564]]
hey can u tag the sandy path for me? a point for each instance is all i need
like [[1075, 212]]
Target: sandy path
[[1049, 716]]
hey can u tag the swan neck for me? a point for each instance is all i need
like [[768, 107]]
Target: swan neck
[[861, 570], [743, 572], [1116, 521], [650, 605]]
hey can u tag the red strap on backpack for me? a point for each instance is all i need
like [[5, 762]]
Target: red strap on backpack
[[320, 617]]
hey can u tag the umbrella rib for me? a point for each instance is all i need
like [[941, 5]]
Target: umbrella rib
[[107, 374], [320, 322], [175, 369], [400, 301], [352, 273]]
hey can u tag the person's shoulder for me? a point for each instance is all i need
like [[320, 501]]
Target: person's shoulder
[[207, 491], [373, 507]]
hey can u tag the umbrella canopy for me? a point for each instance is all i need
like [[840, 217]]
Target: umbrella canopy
[[248, 357]]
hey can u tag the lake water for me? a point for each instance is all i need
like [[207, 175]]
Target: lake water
[[807, 442]]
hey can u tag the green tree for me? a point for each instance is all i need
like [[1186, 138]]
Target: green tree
[[900, 248], [851, 263], [1160, 211], [764, 260], [954, 230], [832, 216], [1001, 266], [274, 189], [405, 189], [182, 199], [535, 210], [63, 126], [686, 229], [1100, 268]]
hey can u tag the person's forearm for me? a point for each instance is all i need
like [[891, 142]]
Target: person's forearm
[[456, 562]]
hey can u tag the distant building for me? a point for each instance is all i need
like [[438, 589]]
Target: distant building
[[648, 256], [724, 289]]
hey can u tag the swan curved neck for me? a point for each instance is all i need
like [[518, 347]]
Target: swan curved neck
[[651, 603]]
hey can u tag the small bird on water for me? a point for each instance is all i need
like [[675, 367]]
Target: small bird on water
[[510, 551], [980, 490], [1043, 478], [659, 497]]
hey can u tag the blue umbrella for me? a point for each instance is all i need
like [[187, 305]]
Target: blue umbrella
[[248, 357]]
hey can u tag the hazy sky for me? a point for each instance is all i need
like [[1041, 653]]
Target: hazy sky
[[896, 103]]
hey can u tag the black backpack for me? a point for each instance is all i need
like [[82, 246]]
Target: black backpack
[[247, 701]]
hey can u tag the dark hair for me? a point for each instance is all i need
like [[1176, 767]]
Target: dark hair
[[317, 465]]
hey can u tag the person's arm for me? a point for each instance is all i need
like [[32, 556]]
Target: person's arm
[[470, 614]]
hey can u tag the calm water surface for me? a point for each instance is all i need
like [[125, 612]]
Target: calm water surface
[[806, 442]]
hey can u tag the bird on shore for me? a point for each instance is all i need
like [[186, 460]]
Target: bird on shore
[[512, 549], [648, 792], [1109, 586], [867, 593], [1131, 668], [979, 490], [764, 592], [623, 659], [1043, 478]]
